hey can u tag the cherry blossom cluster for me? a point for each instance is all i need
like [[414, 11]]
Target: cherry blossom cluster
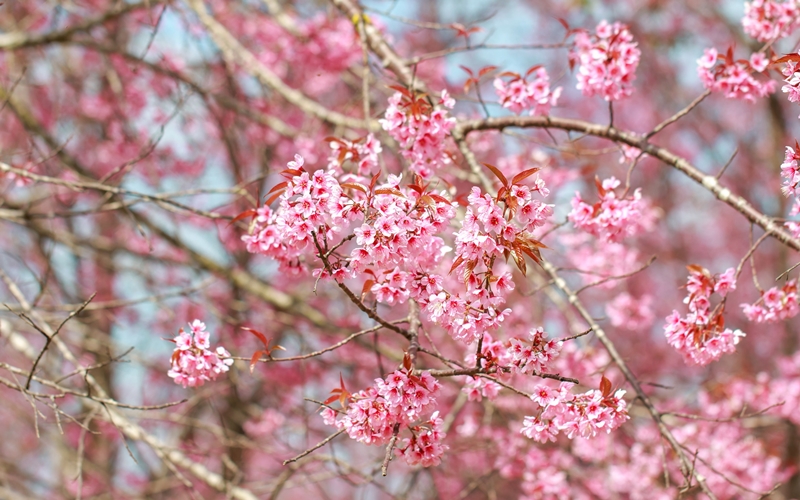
[[530, 355], [193, 363], [701, 336], [581, 415], [425, 447], [494, 354], [734, 78], [488, 232], [518, 94], [767, 20], [363, 154], [534, 354], [420, 129], [792, 78], [397, 242], [790, 171], [375, 414], [791, 185], [612, 218], [608, 61], [309, 203], [776, 304]]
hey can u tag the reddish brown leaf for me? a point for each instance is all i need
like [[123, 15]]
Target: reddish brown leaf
[[486, 69], [402, 90], [274, 197], [469, 71], [456, 263], [374, 181], [291, 172], [243, 215], [259, 335], [497, 174], [519, 260], [439, 198], [532, 69], [356, 186], [788, 58], [524, 175], [366, 288], [605, 386], [279, 186], [600, 189], [393, 191], [254, 360]]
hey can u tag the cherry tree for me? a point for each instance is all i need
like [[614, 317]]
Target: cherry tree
[[292, 249]]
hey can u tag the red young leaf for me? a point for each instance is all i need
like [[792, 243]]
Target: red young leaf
[[509, 73], [259, 335], [278, 187], [393, 191], [524, 175], [486, 69], [274, 197], [354, 185], [519, 260], [788, 58], [605, 386], [366, 288], [456, 263], [402, 90], [469, 71], [254, 360], [600, 189], [243, 215], [291, 172], [439, 198], [374, 181], [497, 173], [532, 69]]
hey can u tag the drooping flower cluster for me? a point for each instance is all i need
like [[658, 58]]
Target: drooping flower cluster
[[701, 336], [362, 153], [768, 20], [518, 94], [608, 61], [734, 78], [420, 129], [612, 218], [776, 304], [374, 414], [193, 363], [581, 415]]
